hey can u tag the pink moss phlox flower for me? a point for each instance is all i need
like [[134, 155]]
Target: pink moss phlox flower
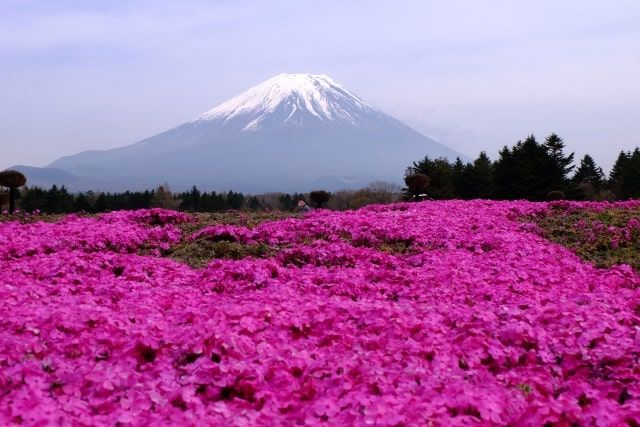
[[433, 313]]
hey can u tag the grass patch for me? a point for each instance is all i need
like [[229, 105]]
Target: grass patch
[[239, 218], [198, 253], [605, 238]]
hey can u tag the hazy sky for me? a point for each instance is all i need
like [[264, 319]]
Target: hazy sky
[[475, 74]]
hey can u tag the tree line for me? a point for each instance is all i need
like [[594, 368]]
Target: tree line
[[530, 170], [59, 200]]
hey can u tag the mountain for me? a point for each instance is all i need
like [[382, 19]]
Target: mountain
[[45, 177], [293, 132]]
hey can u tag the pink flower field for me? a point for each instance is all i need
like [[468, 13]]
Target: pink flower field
[[433, 313]]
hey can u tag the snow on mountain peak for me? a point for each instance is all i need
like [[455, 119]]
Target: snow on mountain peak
[[295, 97]]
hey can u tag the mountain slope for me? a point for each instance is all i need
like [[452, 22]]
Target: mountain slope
[[293, 132]]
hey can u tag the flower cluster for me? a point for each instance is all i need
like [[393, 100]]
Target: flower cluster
[[443, 313]]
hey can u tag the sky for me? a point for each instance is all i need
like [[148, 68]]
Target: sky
[[474, 75]]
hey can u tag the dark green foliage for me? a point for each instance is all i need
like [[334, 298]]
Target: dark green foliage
[[235, 200], [555, 195], [561, 164], [319, 197], [473, 180], [103, 203], [624, 179], [527, 171], [53, 201], [588, 181], [82, 204], [192, 200], [59, 200], [481, 177], [589, 172], [461, 174], [440, 173], [289, 202], [530, 170], [254, 204], [417, 184]]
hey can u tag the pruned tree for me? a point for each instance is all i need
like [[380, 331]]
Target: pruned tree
[[441, 176], [319, 197], [555, 195], [12, 180], [417, 184]]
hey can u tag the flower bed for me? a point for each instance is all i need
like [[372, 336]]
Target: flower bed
[[447, 313]]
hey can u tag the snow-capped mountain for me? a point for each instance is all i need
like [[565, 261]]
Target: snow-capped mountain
[[294, 96], [293, 132]]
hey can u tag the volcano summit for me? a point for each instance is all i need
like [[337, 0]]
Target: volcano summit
[[293, 132]]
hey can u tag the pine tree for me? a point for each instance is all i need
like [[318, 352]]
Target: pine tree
[[588, 180], [33, 198], [561, 164], [191, 201], [102, 203], [525, 171], [618, 175], [482, 176], [254, 204], [81, 204], [461, 185], [632, 176]]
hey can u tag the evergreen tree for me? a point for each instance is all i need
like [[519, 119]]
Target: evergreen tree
[[588, 180], [561, 165], [525, 171], [459, 176], [234, 201], [631, 176], [81, 204], [191, 201], [481, 176], [57, 200], [102, 203], [623, 174], [589, 172], [440, 173], [33, 199], [254, 204]]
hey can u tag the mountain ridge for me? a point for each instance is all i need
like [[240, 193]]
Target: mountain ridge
[[292, 132]]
